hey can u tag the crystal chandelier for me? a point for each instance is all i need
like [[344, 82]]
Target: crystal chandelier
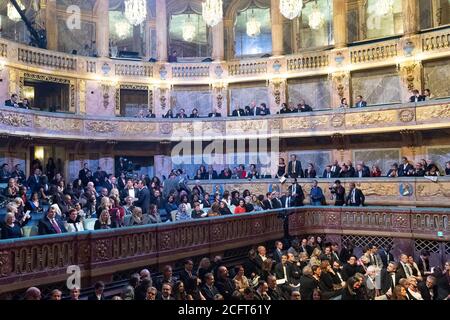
[[188, 30], [122, 29], [291, 8], [135, 11], [212, 11], [253, 27], [384, 7], [316, 18], [12, 12]]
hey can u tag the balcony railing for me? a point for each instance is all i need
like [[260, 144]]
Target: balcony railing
[[46, 58], [374, 52], [436, 40], [44, 259]]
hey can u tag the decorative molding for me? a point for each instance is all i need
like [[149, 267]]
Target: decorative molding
[[14, 120], [406, 115], [101, 126]]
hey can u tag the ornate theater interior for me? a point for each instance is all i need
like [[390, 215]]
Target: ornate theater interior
[[225, 149]]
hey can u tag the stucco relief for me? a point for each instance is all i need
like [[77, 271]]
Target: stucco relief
[[14, 120], [368, 118], [380, 190], [58, 124], [137, 128], [304, 123], [101, 126], [440, 189], [433, 112]]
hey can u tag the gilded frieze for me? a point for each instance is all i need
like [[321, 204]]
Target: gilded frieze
[[137, 128], [246, 126], [304, 123], [440, 189], [183, 128], [406, 115], [14, 120], [337, 121], [101, 126], [369, 118], [379, 189], [57, 124], [434, 112]]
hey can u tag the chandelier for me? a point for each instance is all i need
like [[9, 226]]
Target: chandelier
[[135, 11], [253, 27], [122, 29], [291, 8], [212, 11], [384, 7], [188, 30], [316, 18], [12, 12]]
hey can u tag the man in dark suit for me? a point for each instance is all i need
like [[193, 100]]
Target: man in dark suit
[[386, 255], [34, 182], [403, 268], [405, 168], [264, 110], [303, 107], [143, 201], [416, 97], [339, 192], [268, 204], [181, 114], [194, 113], [278, 252], [99, 177], [327, 174], [209, 290], [424, 263], [360, 103], [99, 287], [13, 102], [307, 284], [83, 173], [295, 168], [388, 278], [187, 273], [335, 169], [51, 223], [428, 288], [287, 201], [362, 171], [238, 112], [211, 174], [260, 258], [274, 291], [297, 193], [355, 197], [351, 267], [224, 284], [18, 174], [214, 114]]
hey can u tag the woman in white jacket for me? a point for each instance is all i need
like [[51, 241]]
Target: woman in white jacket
[[73, 223]]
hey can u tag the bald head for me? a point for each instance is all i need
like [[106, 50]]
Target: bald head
[[33, 293]]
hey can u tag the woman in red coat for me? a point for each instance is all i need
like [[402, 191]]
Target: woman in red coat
[[241, 207]]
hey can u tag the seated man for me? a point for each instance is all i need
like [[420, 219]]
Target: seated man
[[51, 223], [194, 113], [214, 114], [284, 108], [238, 112], [13, 102], [264, 110], [303, 107], [181, 114], [150, 114], [416, 97], [360, 103]]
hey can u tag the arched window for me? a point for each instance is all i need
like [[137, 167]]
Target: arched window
[[312, 31], [189, 36], [253, 32]]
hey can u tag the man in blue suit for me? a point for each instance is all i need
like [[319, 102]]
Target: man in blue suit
[[360, 103]]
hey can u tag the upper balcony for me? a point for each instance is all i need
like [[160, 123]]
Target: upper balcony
[[434, 114]]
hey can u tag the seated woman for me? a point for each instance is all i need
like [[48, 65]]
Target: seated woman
[[281, 171], [73, 223], [136, 219], [20, 213], [224, 209], [215, 210], [12, 190], [153, 216], [376, 172], [198, 175], [253, 172], [433, 171], [240, 280], [11, 228], [34, 205], [171, 205], [183, 214], [198, 212], [310, 172], [257, 202], [185, 200], [104, 221], [241, 207]]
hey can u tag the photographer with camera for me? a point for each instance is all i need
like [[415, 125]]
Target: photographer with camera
[[338, 191]]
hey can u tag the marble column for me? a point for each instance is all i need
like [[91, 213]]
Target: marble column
[[101, 11], [339, 23], [410, 16], [161, 30], [218, 47], [277, 28], [51, 25]]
